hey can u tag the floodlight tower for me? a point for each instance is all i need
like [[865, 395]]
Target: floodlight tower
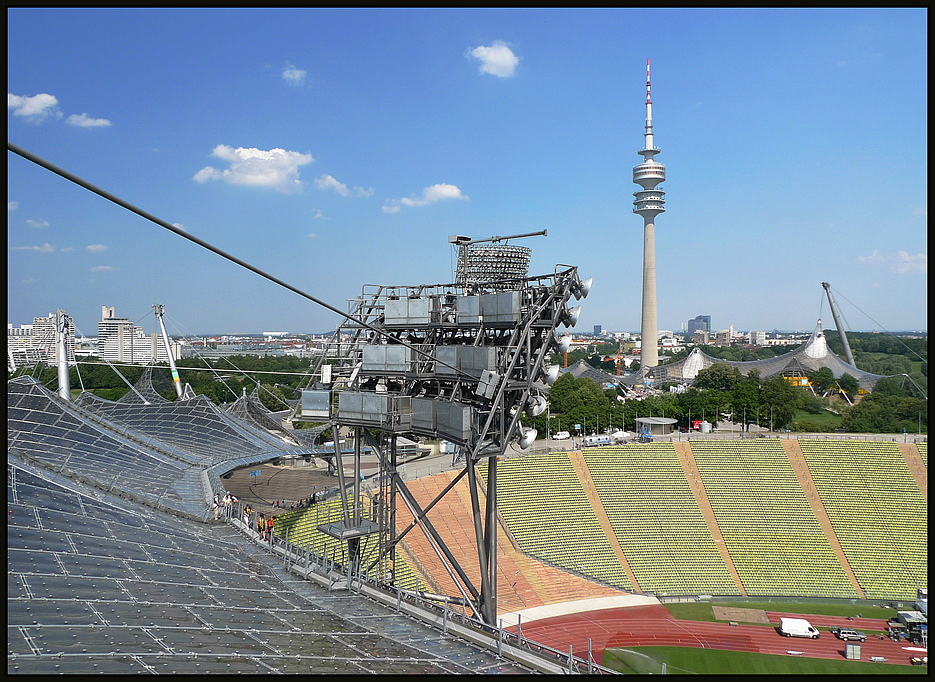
[[649, 202]]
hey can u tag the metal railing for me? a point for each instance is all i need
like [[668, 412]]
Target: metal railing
[[334, 574]]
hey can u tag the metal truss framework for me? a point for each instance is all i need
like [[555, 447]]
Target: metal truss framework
[[458, 362]]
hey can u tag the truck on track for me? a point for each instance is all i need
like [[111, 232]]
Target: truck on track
[[797, 627]]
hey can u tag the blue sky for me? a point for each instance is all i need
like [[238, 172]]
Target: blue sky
[[337, 148]]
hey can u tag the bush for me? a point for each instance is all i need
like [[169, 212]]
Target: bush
[[811, 426]]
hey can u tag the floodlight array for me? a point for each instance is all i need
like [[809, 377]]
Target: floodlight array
[[491, 263]]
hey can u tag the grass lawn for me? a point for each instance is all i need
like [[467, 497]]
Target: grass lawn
[[692, 661], [702, 610], [827, 419]]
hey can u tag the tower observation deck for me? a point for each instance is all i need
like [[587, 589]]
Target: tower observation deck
[[649, 202]]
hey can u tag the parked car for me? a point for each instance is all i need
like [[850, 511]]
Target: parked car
[[847, 634], [561, 435]]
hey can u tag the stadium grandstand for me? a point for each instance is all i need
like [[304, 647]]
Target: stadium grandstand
[[110, 524]]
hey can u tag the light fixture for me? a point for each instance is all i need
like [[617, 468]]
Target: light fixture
[[581, 289], [562, 342], [536, 405], [551, 373], [527, 438], [570, 316]]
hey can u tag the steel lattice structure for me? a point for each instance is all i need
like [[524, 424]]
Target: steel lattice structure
[[458, 362]]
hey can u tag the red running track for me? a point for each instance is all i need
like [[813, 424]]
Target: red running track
[[654, 626]]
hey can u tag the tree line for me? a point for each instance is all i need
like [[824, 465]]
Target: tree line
[[719, 392]]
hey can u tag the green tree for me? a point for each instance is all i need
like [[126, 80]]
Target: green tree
[[880, 413], [720, 377], [848, 384], [746, 397], [822, 379], [781, 401]]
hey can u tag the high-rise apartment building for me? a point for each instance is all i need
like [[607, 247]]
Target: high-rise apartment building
[[701, 323], [119, 340], [31, 343]]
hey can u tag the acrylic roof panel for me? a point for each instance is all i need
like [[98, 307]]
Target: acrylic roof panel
[[42, 427], [134, 590], [194, 426]]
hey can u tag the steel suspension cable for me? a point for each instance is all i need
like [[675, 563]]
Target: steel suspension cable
[[200, 242]]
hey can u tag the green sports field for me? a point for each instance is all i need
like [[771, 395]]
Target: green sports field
[[692, 661], [695, 661]]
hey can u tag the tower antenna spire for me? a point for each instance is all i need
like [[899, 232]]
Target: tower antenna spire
[[649, 100]]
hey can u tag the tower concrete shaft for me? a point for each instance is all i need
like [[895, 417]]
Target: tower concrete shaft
[[649, 202], [649, 325]]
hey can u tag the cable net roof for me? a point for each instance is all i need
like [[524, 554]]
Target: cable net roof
[[250, 410], [99, 584], [166, 454], [808, 358]]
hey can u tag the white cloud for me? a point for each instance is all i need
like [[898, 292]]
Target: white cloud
[[12, 205], [103, 268], [875, 257], [906, 262], [921, 211], [85, 121], [317, 213], [901, 262], [326, 182], [496, 59], [95, 248], [430, 195], [37, 224], [276, 168], [45, 248], [35, 108], [293, 75]]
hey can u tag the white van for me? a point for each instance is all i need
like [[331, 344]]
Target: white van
[[561, 435], [797, 627], [594, 441]]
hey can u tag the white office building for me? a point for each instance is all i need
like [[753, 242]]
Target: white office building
[[119, 340]]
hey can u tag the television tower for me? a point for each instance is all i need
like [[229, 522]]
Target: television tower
[[649, 202]]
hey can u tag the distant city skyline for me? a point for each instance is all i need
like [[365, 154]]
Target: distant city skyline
[[335, 148], [150, 326]]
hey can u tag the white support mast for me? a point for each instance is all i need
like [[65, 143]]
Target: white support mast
[[837, 323], [61, 340], [159, 310]]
